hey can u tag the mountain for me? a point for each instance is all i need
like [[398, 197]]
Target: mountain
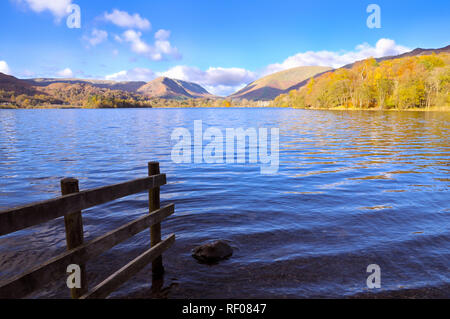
[[415, 80], [420, 51], [100, 93], [163, 90], [169, 88], [11, 83], [416, 52], [269, 87], [131, 86], [159, 88]]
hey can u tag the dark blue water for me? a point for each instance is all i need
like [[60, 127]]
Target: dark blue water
[[353, 189]]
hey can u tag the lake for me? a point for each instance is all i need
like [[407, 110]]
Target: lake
[[354, 188]]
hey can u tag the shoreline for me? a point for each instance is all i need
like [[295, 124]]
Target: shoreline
[[71, 107], [431, 109]]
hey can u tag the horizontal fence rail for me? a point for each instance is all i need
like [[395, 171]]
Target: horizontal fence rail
[[30, 215], [132, 268], [22, 285], [70, 206]]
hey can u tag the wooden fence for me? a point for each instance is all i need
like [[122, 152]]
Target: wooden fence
[[70, 205]]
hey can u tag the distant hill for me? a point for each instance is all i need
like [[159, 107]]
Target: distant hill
[[11, 83], [162, 87], [131, 86], [163, 90], [269, 87], [100, 93], [416, 52], [411, 81], [273, 85], [169, 88]]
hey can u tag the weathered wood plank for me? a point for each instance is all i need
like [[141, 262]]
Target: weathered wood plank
[[22, 285], [23, 217], [117, 279], [154, 202], [74, 233]]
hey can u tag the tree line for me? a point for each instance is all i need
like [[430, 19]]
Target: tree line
[[404, 83]]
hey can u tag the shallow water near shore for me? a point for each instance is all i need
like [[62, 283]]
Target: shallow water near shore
[[354, 188]]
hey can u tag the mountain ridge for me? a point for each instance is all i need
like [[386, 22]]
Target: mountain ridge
[[164, 87], [272, 85], [267, 88], [129, 86], [415, 52]]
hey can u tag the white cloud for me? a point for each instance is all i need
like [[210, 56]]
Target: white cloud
[[66, 73], [224, 90], [4, 68], [118, 38], [97, 36], [27, 74], [161, 49], [56, 7], [162, 34], [384, 47], [137, 44], [125, 20], [229, 76], [137, 74], [220, 81], [212, 76]]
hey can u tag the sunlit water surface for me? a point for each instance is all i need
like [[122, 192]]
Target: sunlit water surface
[[353, 189]]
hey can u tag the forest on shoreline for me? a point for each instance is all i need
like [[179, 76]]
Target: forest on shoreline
[[419, 82]]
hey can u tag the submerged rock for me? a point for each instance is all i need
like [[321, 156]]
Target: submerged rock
[[212, 252]]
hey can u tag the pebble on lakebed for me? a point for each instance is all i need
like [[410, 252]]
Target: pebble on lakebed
[[212, 252]]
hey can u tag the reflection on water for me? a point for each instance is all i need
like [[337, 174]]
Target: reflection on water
[[353, 189]]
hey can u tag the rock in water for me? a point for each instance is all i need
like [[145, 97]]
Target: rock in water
[[212, 252]]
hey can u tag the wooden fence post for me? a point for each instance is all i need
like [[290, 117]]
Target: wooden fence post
[[155, 230], [74, 232]]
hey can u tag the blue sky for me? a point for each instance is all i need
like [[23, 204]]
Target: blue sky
[[221, 45]]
